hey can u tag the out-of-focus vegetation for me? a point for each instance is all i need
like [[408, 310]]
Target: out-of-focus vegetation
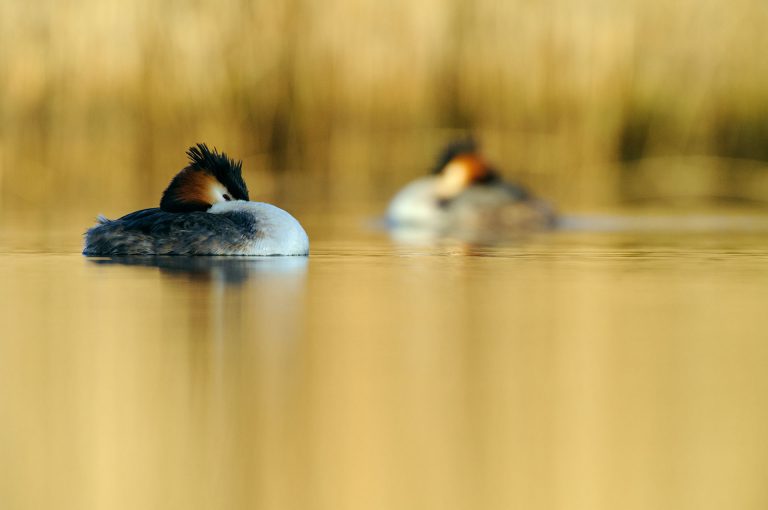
[[589, 101]]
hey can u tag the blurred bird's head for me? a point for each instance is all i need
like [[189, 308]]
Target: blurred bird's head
[[460, 166], [209, 178]]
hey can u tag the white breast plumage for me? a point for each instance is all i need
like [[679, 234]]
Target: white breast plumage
[[277, 232]]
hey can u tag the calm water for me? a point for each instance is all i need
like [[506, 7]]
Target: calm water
[[586, 369]]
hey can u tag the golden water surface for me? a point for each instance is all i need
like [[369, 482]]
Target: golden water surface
[[576, 369]]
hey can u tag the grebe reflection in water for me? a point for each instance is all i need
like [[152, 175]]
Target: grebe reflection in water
[[228, 270], [204, 211]]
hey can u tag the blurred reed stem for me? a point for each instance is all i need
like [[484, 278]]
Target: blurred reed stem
[[102, 96]]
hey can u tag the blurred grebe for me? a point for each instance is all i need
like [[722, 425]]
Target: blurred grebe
[[204, 211], [464, 192]]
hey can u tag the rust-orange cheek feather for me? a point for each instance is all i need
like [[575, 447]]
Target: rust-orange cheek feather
[[204, 211], [461, 172]]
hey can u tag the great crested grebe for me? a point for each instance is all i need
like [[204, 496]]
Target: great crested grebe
[[204, 211], [465, 193]]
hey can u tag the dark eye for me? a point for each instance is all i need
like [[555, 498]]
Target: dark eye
[[227, 197]]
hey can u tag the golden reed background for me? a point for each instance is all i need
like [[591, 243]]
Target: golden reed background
[[592, 102]]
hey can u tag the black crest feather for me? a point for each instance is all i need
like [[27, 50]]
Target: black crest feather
[[454, 149], [226, 170], [176, 197]]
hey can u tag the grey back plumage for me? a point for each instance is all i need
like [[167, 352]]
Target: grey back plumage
[[157, 232]]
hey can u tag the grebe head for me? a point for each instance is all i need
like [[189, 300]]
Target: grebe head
[[458, 167], [210, 177]]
